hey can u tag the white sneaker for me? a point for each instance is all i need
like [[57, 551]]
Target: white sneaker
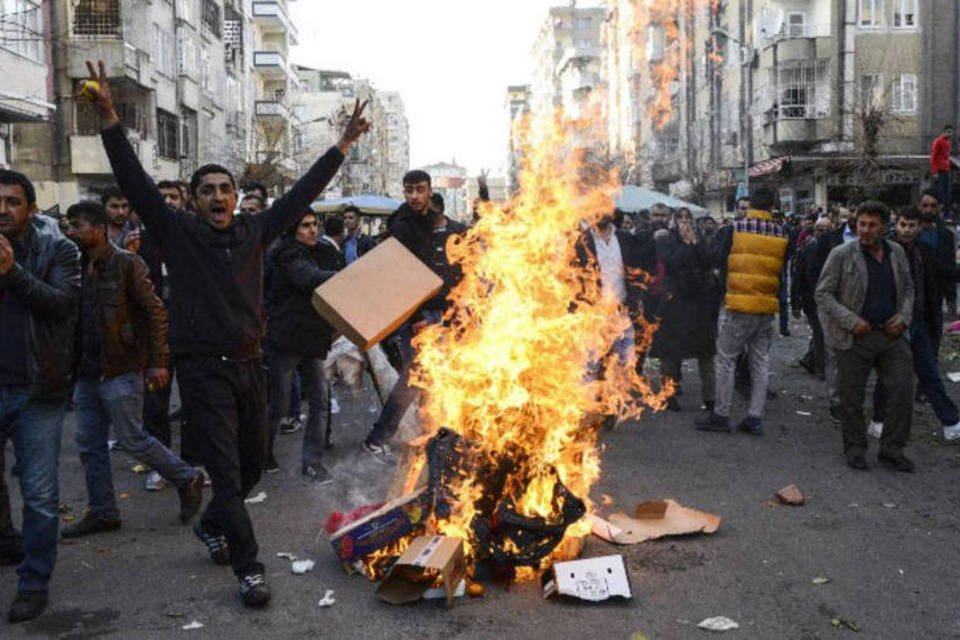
[[952, 432], [334, 406], [154, 482], [875, 430]]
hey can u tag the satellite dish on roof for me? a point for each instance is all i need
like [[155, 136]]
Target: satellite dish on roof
[[769, 22]]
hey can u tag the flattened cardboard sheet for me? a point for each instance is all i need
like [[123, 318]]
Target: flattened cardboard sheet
[[677, 520]]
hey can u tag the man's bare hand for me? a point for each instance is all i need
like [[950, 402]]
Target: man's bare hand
[[131, 241], [894, 328], [357, 125], [861, 329], [100, 94], [157, 378], [7, 258], [687, 233]]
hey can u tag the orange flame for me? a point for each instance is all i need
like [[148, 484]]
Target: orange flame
[[526, 322]]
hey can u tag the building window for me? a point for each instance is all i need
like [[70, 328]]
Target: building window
[[164, 51], [905, 93], [905, 14], [186, 52], [96, 18], [803, 90], [21, 28], [168, 139], [796, 25], [211, 18], [870, 14]]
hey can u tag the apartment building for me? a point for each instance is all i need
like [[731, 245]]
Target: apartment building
[[517, 107], [376, 163], [821, 100], [26, 94]]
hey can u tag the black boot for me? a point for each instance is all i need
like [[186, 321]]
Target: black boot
[[27, 606]]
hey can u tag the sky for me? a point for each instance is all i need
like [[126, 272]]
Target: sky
[[451, 61]]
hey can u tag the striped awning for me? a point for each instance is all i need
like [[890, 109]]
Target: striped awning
[[768, 167]]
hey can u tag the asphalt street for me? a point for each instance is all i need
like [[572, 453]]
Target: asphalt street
[[886, 541]]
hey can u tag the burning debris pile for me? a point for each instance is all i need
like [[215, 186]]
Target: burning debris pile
[[516, 380]]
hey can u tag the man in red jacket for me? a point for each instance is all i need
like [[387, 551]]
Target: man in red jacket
[[940, 168]]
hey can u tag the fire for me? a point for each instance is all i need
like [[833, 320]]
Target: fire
[[508, 373]]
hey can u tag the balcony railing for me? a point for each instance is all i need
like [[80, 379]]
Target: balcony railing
[[272, 15], [267, 61], [271, 109]]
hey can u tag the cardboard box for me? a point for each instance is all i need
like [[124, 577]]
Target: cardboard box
[[675, 520], [593, 579], [427, 559], [394, 520], [369, 299]]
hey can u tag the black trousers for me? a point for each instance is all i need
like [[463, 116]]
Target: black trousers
[[226, 402]]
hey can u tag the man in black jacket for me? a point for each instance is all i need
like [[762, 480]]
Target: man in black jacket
[[930, 277], [412, 226], [39, 289], [215, 263], [803, 284], [943, 247], [122, 350], [298, 338]]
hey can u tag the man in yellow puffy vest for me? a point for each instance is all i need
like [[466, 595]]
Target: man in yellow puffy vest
[[751, 252]]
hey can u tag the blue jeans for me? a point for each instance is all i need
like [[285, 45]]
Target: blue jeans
[[945, 189], [927, 369], [118, 401], [282, 367], [35, 429]]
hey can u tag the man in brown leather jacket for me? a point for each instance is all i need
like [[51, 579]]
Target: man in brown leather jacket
[[121, 339]]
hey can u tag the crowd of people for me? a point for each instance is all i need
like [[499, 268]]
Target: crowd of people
[[215, 288]]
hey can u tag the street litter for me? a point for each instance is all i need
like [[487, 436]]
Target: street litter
[[791, 495], [327, 600], [68, 518], [380, 528], [849, 625], [593, 579], [139, 468], [819, 580], [718, 623], [805, 414], [192, 625], [429, 562], [675, 520], [286, 555], [889, 505], [300, 567], [954, 376], [123, 496], [257, 499]]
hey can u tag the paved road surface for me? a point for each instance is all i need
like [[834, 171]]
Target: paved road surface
[[887, 541]]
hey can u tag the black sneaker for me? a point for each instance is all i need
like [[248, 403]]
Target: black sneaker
[[27, 606], [751, 425], [290, 425], [713, 423], [191, 497], [899, 462], [216, 545], [673, 404], [317, 473], [271, 465], [254, 590], [89, 525]]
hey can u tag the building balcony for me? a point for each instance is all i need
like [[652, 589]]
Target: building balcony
[[271, 109], [121, 60], [271, 64], [795, 126], [87, 156], [271, 16]]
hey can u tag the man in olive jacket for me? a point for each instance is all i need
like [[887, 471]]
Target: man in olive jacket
[[865, 300]]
